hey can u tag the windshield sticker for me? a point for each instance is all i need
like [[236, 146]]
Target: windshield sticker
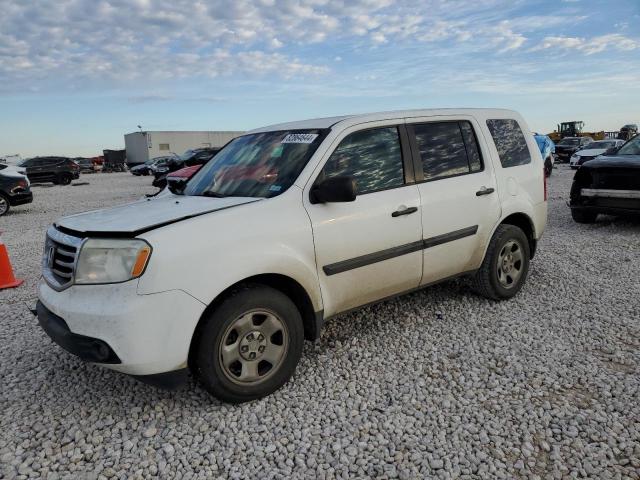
[[275, 188], [300, 138]]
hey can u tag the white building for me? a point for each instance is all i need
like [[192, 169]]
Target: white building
[[142, 146]]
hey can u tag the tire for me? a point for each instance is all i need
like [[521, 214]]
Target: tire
[[583, 216], [263, 323], [548, 167], [5, 206], [64, 179], [491, 280]]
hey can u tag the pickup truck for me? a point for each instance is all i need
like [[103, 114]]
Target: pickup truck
[[287, 226]]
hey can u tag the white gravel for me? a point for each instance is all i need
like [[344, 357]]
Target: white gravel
[[438, 384]]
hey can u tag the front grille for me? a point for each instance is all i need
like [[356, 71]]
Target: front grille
[[59, 258]]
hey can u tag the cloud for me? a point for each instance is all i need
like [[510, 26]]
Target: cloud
[[614, 41]]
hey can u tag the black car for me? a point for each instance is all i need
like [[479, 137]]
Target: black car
[[59, 170], [570, 145], [199, 156], [609, 184], [14, 190]]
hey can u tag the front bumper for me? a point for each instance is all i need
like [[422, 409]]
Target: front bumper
[[148, 334], [21, 198]]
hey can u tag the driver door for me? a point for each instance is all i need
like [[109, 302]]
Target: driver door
[[370, 248]]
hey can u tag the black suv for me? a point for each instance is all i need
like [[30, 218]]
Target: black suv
[[14, 190], [59, 170], [570, 145]]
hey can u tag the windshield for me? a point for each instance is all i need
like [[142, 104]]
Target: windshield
[[632, 147], [187, 155], [569, 141], [258, 165], [23, 163]]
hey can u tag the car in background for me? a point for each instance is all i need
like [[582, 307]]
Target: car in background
[[627, 132], [609, 184], [14, 188], [145, 168], [547, 149], [189, 158], [592, 151], [570, 145], [178, 179], [87, 165], [59, 170]]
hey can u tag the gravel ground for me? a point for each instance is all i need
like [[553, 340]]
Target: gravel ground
[[437, 384]]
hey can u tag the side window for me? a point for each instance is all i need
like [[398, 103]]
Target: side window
[[372, 157], [447, 149], [510, 142]]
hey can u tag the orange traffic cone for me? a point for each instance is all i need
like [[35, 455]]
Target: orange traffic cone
[[7, 280]]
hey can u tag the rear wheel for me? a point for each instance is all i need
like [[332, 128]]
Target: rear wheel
[[583, 216], [64, 179], [505, 266], [4, 204], [548, 166], [250, 345]]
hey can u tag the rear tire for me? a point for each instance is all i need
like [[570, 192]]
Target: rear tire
[[548, 166], [505, 265], [4, 205], [250, 345], [64, 179], [583, 216]]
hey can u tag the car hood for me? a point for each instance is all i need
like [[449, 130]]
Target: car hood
[[145, 215], [615, 161], [591, 152]]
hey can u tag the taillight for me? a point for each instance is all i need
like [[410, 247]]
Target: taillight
[[22, 183], [544, 176]]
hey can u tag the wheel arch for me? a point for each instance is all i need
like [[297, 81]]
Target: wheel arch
[[312, 321], [524, 223]]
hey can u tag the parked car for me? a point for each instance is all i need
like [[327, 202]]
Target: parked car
[[87, 165], [547, 150], [178, 179], [190, 158], [627, 132], [593, 150], [287, 226], [14, 188], [566, 147], [144, 168], [59, 170], [609, 184]]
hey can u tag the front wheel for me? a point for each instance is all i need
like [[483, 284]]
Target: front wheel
[[505, 266], [250, 345]]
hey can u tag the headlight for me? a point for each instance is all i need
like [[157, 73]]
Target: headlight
[[111, 260]]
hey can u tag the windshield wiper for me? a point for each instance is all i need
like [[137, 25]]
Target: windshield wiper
[[209, 193]]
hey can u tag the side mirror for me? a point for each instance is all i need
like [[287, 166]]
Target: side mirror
[[177, 186], [334, 189]]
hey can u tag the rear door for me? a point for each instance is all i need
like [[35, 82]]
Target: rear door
[[370, 248], [458, 194]]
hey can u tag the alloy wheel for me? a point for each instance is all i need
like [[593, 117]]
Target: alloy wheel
[[510, 264]]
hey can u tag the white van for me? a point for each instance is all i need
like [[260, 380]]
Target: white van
[[287, 226]]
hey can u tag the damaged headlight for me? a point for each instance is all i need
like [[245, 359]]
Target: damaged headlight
[[111, 260]]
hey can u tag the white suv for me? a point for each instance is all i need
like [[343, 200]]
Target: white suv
[[287, 226]]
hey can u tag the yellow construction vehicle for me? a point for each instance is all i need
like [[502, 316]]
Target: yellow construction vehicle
[[574, 129]]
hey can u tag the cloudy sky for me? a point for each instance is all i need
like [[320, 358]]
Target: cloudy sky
[[75, 75]]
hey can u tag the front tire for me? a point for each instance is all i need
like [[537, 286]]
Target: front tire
[[250, 345], [505, 266]]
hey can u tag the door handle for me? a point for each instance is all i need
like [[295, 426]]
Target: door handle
[[485, 191], [404, 211]]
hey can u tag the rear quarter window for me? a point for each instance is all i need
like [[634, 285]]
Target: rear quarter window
[[510, 142]]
